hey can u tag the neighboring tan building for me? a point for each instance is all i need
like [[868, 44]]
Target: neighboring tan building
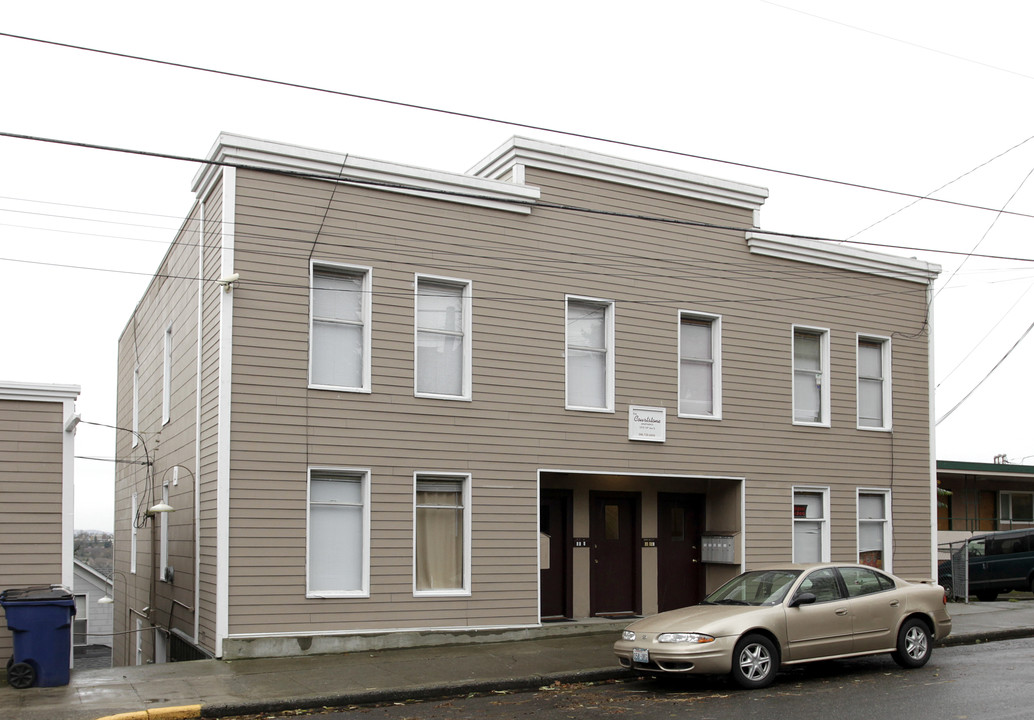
[[37, 436], [390, 405]]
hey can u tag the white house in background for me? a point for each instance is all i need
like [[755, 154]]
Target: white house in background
[[93, 619]]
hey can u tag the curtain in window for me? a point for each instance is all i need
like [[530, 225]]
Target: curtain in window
[[586, 355], [439, 535], [807, 369], [335, 534], [337, 329], [440, 342], [696, 384]]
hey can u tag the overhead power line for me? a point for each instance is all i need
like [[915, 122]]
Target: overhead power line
[[481, 118]]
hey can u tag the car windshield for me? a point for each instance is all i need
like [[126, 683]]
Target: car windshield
[[759, 587]]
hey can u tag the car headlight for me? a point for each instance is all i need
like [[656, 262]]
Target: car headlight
[[696, 638], [628, 635]]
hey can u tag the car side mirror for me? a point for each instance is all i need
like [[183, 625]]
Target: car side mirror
[[803, 599]]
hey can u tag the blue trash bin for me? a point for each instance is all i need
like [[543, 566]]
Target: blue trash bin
[[40, 621]]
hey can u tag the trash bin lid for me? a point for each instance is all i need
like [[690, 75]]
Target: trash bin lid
[[36, 593]]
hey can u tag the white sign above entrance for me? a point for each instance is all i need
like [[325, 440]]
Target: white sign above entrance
[[646, 423]]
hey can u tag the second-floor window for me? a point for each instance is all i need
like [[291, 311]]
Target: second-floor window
[[874, 383], [443, 338], [810, 376], [167, 376], [590, 354], [700, 369], [339, 340]]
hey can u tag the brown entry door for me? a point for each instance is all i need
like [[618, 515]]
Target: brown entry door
[[614, 538], [555, 555], [679, 570]]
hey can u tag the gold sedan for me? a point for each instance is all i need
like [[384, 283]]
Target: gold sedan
[[766, 619]]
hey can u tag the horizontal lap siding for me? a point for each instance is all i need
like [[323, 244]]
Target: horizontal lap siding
[[521, 268]]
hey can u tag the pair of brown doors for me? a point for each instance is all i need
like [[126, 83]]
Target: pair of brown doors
[[615, 542]]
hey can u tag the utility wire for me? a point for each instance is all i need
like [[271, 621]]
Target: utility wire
[[946, 415], [469, 116]]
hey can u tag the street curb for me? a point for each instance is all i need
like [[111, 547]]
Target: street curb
[[986, 637], [177, 712]]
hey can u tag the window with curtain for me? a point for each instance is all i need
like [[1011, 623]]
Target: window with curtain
[[338, 518], [699, 368], [809, 526], [589, 355], [442, 338], [810, 377], [441, 534], [339, 342], [873, 383], [872, 529]]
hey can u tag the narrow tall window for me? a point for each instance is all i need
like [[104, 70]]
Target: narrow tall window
[[136, 406], [338, 556], [810, 525], [874, 390], [873, 528], [163, 535], [699, 366], [135, 508], [339, 344], [167, 377], [441, 535], [810, 376], [590, 355], [443, 338]]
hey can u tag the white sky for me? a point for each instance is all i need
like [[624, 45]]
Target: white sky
[[902, 94]]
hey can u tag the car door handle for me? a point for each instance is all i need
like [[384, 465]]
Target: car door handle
[[841, 611], [894, 603]]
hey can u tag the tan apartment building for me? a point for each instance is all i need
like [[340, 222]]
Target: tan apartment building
[[37, 439], [387, 403]]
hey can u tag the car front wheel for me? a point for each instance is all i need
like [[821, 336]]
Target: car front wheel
[[914, 644], [754, 662]]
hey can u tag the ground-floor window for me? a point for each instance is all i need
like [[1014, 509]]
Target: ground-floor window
[[442, 535], [810, 525], [874, 528], [338, 556]]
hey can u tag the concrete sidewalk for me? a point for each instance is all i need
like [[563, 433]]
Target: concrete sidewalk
[[213, 688]]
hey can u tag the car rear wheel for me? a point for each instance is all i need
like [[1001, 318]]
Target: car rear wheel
[[914, 644], [987, 595], [754, 662]]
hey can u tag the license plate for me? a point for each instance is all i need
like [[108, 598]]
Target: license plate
[[640, 655]]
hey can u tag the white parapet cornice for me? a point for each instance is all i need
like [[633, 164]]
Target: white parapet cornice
[[38, 391], [244, 152], [829, 254], [519, 152]]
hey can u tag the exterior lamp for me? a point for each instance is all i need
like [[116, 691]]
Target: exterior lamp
[[159, 508]]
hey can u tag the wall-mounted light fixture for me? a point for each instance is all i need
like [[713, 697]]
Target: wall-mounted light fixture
[[228, 281], [159, 508]]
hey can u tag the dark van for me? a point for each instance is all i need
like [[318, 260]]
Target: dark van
[[998, 562]]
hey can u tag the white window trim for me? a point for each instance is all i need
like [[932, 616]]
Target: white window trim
[[465, 479], [888, 532], [468, 291], [363, 475], [888, 392], [824, 398], [815, 490], [716, 363], [367, 274], [136, 405], [163, 536], [135, 507], [167, 376], [610, 362]]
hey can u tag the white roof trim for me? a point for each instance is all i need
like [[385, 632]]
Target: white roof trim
[[264, 154], [817, 252], [519, 151], [34, 391]]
